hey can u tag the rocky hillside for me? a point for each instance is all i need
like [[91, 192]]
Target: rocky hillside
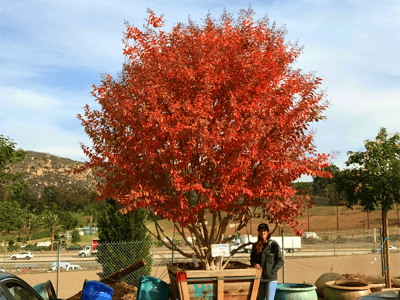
[[42, 170]]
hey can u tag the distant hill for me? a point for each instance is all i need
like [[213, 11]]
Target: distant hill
[[42, 170]]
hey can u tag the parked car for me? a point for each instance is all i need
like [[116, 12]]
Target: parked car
[[14, 288], [378, 249], [74, 267], [22, 255], [62, 264], [309, 235]]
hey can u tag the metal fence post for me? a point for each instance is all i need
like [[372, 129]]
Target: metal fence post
[[283, 256], [58, 267]]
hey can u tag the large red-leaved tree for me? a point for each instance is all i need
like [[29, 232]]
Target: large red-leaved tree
[[206, 118]]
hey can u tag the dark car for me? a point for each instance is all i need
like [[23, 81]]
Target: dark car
[[14, 288]]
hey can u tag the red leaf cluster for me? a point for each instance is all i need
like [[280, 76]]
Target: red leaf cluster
[[206, 117]]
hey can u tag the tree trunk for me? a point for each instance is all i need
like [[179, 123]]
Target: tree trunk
[[52, 238], [388, 280]]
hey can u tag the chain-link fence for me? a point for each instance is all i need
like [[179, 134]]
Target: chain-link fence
[[344, 252]]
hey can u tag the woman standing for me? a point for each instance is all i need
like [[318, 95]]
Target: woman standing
[[266, 255]]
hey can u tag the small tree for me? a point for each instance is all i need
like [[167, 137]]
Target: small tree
[[11, 188], [75, 236], [372, 178], [206, 118], [12, 216], [123, 240], [67, 219], [8, 155]]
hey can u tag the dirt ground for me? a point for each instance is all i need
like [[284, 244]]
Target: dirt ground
[[301, 270], [348, 220]]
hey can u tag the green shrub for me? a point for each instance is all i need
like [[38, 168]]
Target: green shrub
[[10, 242], [13, 248], [75, 236], [30, 247], [114, 255]]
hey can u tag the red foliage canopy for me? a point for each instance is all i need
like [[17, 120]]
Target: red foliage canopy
[[209, 116]]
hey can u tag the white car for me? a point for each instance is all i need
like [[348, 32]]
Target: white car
[[74, 267], [22, 255], [378, 249]]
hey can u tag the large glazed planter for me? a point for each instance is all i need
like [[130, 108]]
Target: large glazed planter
[[295, 291], [227, 284], [346, 290]]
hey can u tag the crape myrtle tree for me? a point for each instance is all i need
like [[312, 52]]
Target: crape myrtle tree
[[372, 178], [209, 117]]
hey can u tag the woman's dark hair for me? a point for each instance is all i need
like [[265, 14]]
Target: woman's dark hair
[[259, 244]]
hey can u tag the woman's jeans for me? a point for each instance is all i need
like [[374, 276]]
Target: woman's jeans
[[266, 291]]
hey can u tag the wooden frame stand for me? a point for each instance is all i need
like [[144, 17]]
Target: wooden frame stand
[[228, 284]]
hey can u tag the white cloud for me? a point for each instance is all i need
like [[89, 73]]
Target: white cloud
[[352, 45], [44, 120]]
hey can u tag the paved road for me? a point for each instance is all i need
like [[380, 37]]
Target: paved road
[[168, 254], [42, 262]]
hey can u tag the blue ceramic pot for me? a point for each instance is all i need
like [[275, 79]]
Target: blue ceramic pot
[[296, 291]]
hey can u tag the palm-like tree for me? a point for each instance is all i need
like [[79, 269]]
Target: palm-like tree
[[51, 220]]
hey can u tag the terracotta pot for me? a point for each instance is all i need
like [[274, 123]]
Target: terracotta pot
[[320, 283], [396, 281], [345, 290]]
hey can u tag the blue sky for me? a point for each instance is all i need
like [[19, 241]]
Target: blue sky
[[52, 52]]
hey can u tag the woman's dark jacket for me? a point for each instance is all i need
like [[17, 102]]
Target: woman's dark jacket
[[270, 260]]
